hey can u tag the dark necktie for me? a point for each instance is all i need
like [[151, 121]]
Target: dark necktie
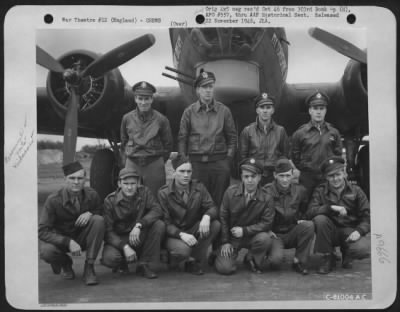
[[76, 204], [185, 197]]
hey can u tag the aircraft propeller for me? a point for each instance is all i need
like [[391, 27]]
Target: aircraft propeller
[[338, 44], [73, 78]]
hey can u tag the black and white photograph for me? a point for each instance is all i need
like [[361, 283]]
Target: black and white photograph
[[210, 166]]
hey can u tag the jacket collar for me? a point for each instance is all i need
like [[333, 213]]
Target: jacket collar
[[119, 196], [67, 198], [239, 191], [259, 125], [193, 186], [275, 192], [311, 125], [200, 106]]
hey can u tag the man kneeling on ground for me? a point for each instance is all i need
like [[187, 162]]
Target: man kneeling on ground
[[246, 216], [71, 221], [190, 216], [134, 229], [341, 216], [290, 228]]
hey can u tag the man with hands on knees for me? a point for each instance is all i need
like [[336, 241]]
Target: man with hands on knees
[[71, 221], [290, 229], [190, 216], [134, 229], [341, 214], [246, 217]]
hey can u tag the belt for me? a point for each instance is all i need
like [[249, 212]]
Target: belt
[[144, 160], [207, 158]]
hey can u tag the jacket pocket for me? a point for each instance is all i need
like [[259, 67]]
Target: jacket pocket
[[220, 144], [130, 148], [194, 142]]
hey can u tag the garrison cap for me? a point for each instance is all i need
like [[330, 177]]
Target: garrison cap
[[332, 164], [318, 98], [128, 172], [252, 165], [283, 165], [203, 78], [72, 168], [143, 88], [264, 99], [179, 160]]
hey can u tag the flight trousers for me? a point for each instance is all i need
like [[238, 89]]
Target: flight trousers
[[215, 175], [147, 251], [258, 245], [177, 247], [300, 237], [328, 235], [90, 238], [152, 172]]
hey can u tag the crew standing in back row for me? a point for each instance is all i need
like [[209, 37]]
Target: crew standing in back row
[[263, 139], [146, 138], [207, 134], [314, 141]]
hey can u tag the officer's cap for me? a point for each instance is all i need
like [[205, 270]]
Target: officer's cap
[[264, 99], [318, 98], [179, 160], [332, 164], [143, 88], [283, 165], [72, 168], [252, 165], [128, 172], [204, 78]]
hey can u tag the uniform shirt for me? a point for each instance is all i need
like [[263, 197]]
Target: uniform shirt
[[180, 217], [57, 221], [264, 145], [255, 217], [207, 131], [352, 198], [311, 146], [290, 206], [146, 134], [121, 214]]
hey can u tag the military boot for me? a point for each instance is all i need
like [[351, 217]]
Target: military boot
[[89, 276]]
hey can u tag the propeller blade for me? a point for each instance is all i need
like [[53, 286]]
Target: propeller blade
[[338, 44], [47, 61], [71, 128], [119, 56]]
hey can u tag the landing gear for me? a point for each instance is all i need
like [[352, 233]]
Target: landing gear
[[104, 172], [363, 168]]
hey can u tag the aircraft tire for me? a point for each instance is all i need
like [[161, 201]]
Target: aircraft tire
[[103, 172], [363, 168]]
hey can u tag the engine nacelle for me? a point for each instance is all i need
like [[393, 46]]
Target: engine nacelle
[[98, 96], [355, 86]]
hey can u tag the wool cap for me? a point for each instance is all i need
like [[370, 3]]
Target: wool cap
[[72, 168], [128, 172], [252, 165], [179, 160], [283, 165], [332, 164]]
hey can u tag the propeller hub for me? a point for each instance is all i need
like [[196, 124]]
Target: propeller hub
[[72, 77]]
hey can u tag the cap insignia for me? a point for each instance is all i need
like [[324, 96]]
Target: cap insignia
[[143, 85], [204, 75], [318, 95], [331, 161], [264, 95], [252, 161]]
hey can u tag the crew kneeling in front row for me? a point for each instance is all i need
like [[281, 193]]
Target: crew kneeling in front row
[[190, 216], [290, 229], [134, 229], [341, 215], [246, 217], [71, 221]]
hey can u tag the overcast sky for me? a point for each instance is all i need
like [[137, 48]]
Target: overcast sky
[[309, 60]]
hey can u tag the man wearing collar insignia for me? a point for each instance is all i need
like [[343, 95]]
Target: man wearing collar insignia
[[315, 141], [246, 218], [207, 134], [71, 222], [190, 216], [263, 139], [341, 215], [290, 228], [134, 229], [146, 138]]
